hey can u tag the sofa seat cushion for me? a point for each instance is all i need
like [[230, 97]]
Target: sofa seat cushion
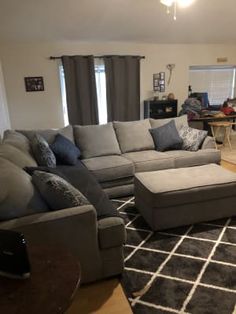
[[150, 160], [111, 232], [96, 140], [179, 122], [183, 158], [134, 136], [18, 196], [107, 168], [118, 182]]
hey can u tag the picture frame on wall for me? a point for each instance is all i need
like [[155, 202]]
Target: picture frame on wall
[[159, 82], [155, 81], [162, 76], [34, 84]]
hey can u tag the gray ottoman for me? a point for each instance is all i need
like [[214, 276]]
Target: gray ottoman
[[176, 197]]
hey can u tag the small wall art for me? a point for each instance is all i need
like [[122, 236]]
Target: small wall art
[[159, 82], [34, 84]]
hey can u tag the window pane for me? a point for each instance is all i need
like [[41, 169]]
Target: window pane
[[101, 90], [4, 115], [63, 95], [217, 82]]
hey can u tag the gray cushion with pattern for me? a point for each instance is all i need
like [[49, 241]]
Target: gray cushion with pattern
[[42, 152], [192, 138], [57, 192]]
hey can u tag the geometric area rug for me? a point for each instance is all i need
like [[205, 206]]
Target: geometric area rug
[[190, 269]]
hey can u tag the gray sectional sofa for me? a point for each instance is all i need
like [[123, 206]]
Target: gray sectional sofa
[[113, 153], [116, 151]]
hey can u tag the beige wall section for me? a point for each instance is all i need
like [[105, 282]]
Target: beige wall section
[[44, 109]]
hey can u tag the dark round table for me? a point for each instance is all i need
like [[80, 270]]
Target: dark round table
[[55, 277]]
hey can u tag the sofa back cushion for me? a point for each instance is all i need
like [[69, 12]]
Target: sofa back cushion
[[179, 122], [50, 134], [17, 140], [134, 135], [96, 140], [16, 156], [18, 197]]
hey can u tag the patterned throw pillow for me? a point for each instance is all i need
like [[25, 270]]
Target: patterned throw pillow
[[192, 138], [42, 152], [57, 192]]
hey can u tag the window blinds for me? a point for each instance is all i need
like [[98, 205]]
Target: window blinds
[[218, 82]]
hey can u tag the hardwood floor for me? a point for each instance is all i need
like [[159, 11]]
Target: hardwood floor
[[107, 296], [104, 297], [228, 165]]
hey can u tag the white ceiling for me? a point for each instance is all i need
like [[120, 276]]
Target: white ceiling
[[206, 21]]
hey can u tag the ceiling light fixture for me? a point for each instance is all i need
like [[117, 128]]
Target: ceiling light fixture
[[173, 3]]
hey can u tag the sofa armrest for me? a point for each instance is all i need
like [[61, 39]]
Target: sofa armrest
[[111, 232], [208, 143], [86, 210], [72, 228]]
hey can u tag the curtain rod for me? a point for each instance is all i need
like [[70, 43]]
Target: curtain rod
[[97, 57]]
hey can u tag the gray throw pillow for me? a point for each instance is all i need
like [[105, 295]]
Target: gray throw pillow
[[192, 138], [166, 137], [42, 152], [57, 192]]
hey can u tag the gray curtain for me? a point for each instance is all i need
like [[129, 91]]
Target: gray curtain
[[80, 89], [123, 87]]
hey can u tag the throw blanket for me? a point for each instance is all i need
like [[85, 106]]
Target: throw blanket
[[82, 179]]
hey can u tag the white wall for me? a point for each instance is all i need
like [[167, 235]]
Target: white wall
[[4, 116], [44, 109]]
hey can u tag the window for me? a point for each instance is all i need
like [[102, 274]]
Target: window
[[63, 95], [218, 82], [101, 92], [4, 115]]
